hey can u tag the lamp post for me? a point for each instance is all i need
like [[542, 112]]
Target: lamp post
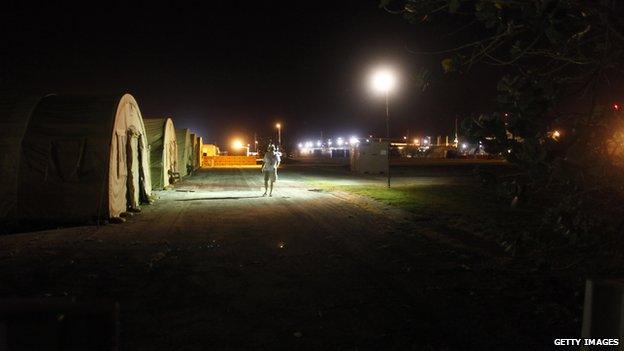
[[279, 133], [383, 81]]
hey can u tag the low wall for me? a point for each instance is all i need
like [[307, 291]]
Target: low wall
[[228, 161]]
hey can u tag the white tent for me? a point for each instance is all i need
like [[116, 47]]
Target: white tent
[[185, 151], [82, 158], [161, 137]]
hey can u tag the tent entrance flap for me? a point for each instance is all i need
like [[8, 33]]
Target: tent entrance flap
[[132, 153], [133, 183]]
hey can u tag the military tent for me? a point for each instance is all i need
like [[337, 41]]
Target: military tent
[[14, 116], [161, 137], [82, 158], [194, 156], [185, 151]]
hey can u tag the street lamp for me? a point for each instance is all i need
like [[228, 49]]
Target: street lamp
[[237, 144], [383, 81], [279, 133]]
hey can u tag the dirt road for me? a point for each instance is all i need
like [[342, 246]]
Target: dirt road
[[213, 265]]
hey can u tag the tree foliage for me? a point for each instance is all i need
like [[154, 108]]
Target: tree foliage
[[563, 62]]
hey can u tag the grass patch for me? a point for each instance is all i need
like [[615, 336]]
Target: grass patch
[[453, 207]]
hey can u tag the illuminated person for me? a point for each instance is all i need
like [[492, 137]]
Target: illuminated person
[[269, 169]]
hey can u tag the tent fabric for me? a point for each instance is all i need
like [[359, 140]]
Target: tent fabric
[[198, 152], [194, 157], [161, 137], [15, 113], [79, 157], [210, 150], [185, 151]]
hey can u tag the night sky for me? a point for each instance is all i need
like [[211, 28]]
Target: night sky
[[232, 68]]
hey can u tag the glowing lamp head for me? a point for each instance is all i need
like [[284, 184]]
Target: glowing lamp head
[[353, 140], [383, 81], [237, 144], [318, 143], [278, 125]]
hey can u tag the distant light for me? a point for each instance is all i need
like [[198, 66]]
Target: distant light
[[616, 107], [425, 141], [383, 80], [368, 140], [308, 144], [278, 125], [353, 140], [508, 151], [416, 142], [404, 138], [464, 146], [340, 142], [300, 145], [555, 134], [329, 142], [318, 143]]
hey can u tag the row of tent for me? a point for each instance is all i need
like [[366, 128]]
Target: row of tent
[[79, 159]]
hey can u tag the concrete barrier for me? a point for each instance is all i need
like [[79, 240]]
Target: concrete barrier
[[228, 161]]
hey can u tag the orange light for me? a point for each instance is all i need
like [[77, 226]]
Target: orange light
[[278, 126], [616, 107], [555, 134]]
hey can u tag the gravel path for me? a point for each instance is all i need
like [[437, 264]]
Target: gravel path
[[213, 265]]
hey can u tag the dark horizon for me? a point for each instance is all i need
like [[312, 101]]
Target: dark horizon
[[234, 69]]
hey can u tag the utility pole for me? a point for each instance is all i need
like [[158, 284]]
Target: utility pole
[[388, 137], [256, 141], [456, 140]]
